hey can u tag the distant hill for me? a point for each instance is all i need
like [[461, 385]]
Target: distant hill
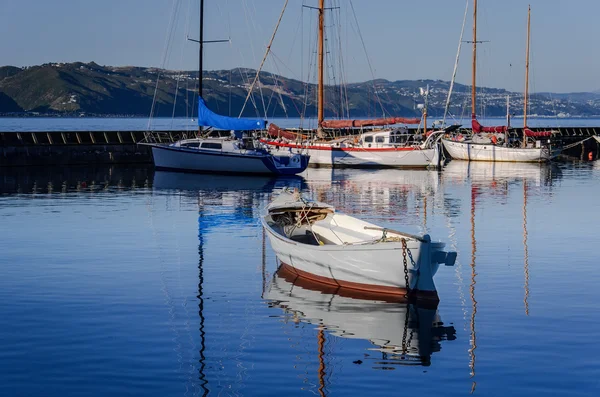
[[90, 89]]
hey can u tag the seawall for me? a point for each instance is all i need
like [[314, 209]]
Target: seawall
[[121, 147], [75, 147]]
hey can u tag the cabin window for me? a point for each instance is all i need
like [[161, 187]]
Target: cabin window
[[380, 139], [210, 145], [369, 139], [193, 145], [398, 138]]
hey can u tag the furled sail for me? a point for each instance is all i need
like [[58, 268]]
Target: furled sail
[[368, 122], [206, 118], [530, 133], [477, 128], [276, 132]]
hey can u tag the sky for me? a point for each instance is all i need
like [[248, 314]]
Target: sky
[[404, 39]]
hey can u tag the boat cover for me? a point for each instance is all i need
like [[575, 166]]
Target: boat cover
[[206, 118], [276, 132], [477, 128], [528, 132], [368, 122]]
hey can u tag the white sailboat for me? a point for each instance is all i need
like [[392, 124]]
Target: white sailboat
[[492, 143], [386, 147], [237, 153], [314, 241]]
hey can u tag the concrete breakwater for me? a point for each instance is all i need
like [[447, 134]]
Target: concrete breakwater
[[73, 148], [121, 147]]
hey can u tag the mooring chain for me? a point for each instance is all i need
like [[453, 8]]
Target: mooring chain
[[406, 319], [404, 249]]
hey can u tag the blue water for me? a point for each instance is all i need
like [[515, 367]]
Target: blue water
[[142, 124], [123, 281]]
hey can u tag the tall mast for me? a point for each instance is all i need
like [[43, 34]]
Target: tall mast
[[473, 92], [320, 114], [201, 48], [526, 76]]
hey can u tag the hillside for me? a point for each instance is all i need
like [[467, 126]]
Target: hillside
[[8, 105], [90, 89]]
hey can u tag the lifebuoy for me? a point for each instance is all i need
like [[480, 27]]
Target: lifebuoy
[[295, 159], [494, 139]]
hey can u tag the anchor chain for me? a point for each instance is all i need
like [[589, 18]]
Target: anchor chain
[[406, 319], [404, 249]]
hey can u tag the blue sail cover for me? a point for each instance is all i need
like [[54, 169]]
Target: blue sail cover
[[206, 118]]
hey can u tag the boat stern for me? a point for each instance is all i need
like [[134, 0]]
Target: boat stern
[[292, 164]]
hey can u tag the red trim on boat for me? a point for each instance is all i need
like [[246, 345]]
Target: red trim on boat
[[350, 289], [331, 148]]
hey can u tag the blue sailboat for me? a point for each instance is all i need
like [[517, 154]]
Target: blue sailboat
[[238, 153]]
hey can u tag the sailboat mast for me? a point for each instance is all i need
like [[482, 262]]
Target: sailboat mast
[[473, 87], [201, 48], [526, 76], [320, 114]]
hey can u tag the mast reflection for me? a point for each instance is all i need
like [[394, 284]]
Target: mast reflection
[[404, 334]]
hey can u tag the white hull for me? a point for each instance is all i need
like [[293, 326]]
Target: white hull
[[329, 156], [354, 257], [488, 152], [382, 323]]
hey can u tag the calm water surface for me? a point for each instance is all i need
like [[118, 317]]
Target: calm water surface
[[126, 281]]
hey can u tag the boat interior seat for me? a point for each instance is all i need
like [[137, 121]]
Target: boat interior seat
[[338, 235]]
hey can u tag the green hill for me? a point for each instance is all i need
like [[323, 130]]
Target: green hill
[[90, 89]]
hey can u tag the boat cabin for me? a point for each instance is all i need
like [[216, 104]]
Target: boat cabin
[[217, 144], [388, 138]]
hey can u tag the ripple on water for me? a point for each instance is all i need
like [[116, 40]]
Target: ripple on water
[[126, 281]]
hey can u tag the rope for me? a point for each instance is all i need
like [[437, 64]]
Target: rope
[[578, 143]]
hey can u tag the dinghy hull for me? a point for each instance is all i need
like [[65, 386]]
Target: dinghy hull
[[342, 251]]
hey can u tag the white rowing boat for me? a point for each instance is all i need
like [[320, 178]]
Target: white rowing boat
[[315, 242]]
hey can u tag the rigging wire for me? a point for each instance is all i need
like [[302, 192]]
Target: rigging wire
[[168, 38], [460, 41], [291, 98], [247, 13], [256, 78], [368, 59], [181, 71]]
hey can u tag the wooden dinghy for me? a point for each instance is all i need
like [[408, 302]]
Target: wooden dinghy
[[315, 242]]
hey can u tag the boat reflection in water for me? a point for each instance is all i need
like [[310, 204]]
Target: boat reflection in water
[[489, 173], [167, 180], [404, 334]]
